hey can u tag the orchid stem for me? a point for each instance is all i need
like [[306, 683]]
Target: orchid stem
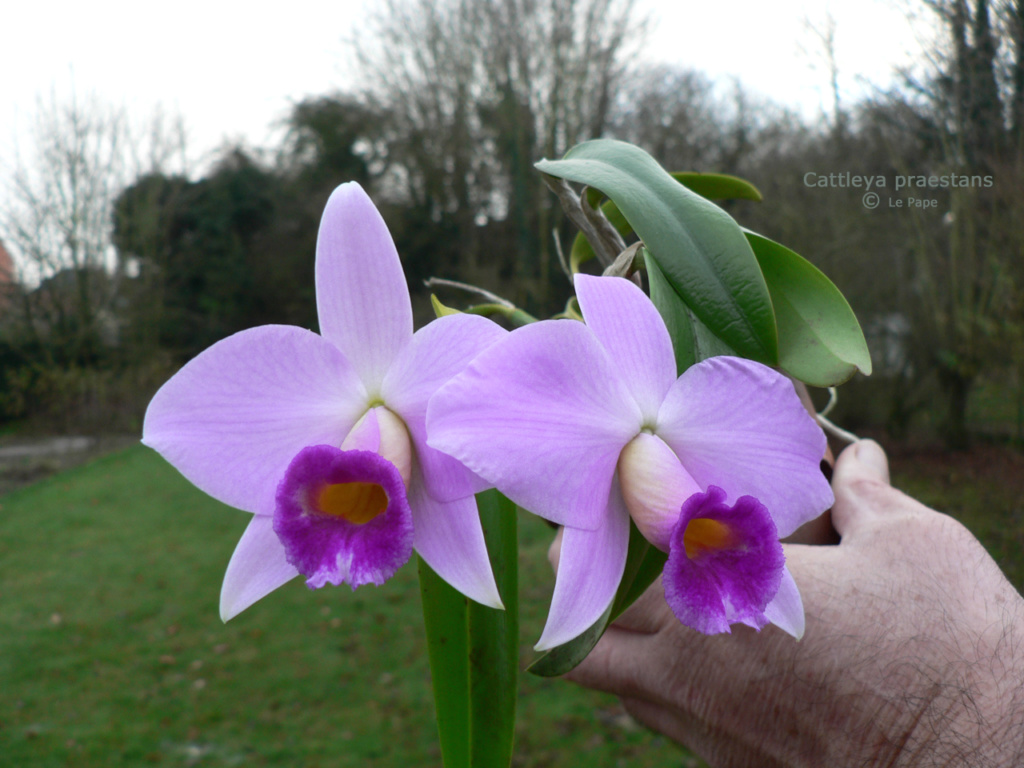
[[827, 425], [561, 255], [430, 282]]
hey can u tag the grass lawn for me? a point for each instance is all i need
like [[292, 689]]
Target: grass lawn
[[983, 488], [112, 652]]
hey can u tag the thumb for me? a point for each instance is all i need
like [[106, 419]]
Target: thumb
[[860, 477]]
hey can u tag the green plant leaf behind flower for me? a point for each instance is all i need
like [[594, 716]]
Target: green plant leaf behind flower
[[718, 186], [711, 186], [820, 341], [644, 563], [474, 650], [700, 248], [691, 339]]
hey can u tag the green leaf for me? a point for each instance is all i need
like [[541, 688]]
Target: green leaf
[[494, 641], [701, 250], [718, 186], [474, 650], [820, 341], [674, 312], [691, 339], [446, 621], [712, 186], [644, 563]]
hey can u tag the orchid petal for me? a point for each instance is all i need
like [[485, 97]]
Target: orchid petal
[[438, 352], [543, 415], [234, 417], [257, 568], [448, 535], [786, 609], [361, 295], [739, 425], [590, 568], [631, 330]]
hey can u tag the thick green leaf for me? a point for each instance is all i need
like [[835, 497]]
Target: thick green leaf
[[691, 339], [674, 312], [718, 186], [701, 250], [494, 641], [712, 186], [561, 659], [643, 564], [820, 341], [446, 621], [474, 650]]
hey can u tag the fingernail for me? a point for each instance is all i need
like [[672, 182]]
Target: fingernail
[[872, 456]]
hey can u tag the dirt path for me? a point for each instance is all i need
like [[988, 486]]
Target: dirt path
[[26, 460]]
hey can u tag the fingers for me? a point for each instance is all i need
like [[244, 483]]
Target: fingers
[[861, 476], [619, 664], [649, 613]]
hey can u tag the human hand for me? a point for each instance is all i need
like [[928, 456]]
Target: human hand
[[913, 653]]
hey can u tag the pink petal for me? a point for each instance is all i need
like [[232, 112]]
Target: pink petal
[[631, 330], [739, 425], [257, 568], [448, 535], [543, 415], [235, 416], [589, 571], [361, 294], [786, 610], [438, 352]]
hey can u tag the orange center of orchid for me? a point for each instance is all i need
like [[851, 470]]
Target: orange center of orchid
[[703, 535], [357, 503]]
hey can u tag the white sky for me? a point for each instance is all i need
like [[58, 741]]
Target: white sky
[[232, 69]]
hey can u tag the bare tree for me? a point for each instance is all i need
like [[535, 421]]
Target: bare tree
[[475, 92], [966, 306], [56, 220]]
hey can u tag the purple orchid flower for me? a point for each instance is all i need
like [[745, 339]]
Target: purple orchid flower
[[322, 437], [596, 428]]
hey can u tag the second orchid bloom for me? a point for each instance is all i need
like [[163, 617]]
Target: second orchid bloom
[[588, 426]]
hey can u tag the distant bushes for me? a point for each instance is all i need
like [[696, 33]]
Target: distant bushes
[[81, 400]]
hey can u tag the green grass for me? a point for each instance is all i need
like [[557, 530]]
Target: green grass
[[983, 488], [112, 652]]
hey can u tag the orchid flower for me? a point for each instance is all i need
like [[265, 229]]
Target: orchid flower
[[714, 467], [322, 437]]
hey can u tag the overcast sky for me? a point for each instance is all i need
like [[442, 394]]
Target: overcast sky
[[232, 69]]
